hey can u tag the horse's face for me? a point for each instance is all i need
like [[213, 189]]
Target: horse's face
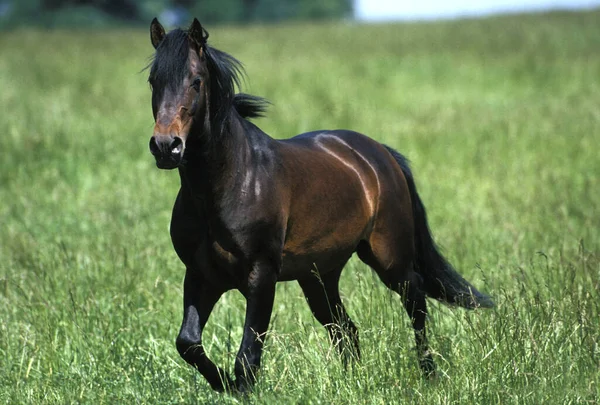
[[179, 93]]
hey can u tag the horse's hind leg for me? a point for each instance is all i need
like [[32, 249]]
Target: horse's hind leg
[[395, 268], [416, 307], [323, 297]]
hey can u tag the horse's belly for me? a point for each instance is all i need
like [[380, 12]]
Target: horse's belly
[[319, 259], [324, 241]]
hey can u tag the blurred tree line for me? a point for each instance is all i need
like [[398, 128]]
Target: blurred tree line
[[86, 13]]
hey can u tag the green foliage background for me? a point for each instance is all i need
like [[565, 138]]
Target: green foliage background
[[101, 13], [500, 118]]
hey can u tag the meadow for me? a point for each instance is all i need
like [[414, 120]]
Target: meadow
[[500, 118]]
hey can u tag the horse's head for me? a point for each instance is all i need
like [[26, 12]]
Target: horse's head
[[179, 82]]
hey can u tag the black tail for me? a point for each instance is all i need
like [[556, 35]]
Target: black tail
[[440, 280]]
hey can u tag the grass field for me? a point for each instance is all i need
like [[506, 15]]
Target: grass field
[[500, 117]]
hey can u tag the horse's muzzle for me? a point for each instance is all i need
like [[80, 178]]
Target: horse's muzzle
[[167, 150]]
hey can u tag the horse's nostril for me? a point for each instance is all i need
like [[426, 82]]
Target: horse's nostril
[[165, 146], [154, 148], [176, 145]]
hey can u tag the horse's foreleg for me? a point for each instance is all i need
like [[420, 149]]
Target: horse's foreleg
[[259, 305], [199, 298]]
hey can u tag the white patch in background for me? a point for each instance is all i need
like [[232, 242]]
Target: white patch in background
[[387, 10]]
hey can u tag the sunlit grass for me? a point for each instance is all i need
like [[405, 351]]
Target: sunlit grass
[[499, 117]]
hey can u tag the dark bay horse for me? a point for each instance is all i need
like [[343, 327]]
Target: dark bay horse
[[252, 211]]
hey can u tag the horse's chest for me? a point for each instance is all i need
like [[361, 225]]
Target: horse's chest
[[219, 264]]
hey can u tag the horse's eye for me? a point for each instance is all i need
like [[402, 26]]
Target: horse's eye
[[196, 83]]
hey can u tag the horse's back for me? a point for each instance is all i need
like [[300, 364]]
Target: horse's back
[[353, 151], [335, 166]]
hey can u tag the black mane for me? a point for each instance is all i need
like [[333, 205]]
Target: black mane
[[249, 106], [170, 64]]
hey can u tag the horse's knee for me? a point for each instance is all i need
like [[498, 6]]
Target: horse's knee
[[409, 284], [188, 349]]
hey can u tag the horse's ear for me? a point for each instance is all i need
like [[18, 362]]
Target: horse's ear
[[157, 33], [197, 33]]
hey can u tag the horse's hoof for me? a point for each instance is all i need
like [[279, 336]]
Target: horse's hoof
[[225, 384], [428, 367], [243, 386]]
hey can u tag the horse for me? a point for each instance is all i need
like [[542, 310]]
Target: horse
[[253, 211]]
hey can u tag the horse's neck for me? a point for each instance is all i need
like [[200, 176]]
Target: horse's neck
[[211, 174]]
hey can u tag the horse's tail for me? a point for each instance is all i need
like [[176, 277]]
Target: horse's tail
[[440, 280]]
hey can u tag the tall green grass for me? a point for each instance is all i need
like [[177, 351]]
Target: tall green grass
[[500, 118]]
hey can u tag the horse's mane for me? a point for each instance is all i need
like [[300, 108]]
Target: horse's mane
[[249, 106], [168, 67]]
